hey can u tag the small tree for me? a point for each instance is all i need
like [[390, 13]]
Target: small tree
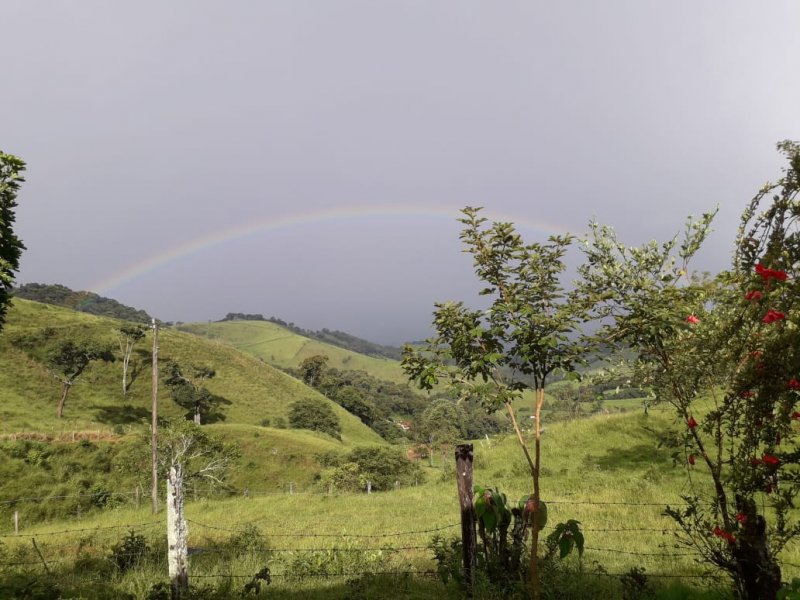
[[529, 332], [187, 452], [312, 369], [69, 359], [438, 426], [733, 342], [314, 414], [128, 336], [187, 389], [11, 246]]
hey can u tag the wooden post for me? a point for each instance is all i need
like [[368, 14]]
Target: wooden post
[[468, 536], [16, 522], [291, 489], [177, 534], [39, 552], [136, 495], [154, 424], [369, 487]]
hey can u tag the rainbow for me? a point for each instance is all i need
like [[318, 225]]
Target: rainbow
[[350, 213]]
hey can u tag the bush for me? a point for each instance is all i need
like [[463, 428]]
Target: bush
[[316, 415], [379, 465]]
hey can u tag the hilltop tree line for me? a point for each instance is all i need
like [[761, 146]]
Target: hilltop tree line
[[335, 338], [87, 302]]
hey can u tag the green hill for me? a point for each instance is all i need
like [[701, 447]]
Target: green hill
[[283, 348]]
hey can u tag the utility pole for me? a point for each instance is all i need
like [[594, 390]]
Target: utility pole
[[154, 424]]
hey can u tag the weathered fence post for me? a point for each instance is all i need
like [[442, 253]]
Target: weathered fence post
[[369, 487], [16, 522], [177, 534], [468, 536], [291, 489]]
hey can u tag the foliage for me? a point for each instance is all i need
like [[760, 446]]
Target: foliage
[[87, 302], [383, 467], [129, 551], [734, 340], [70, 358], [316, 415], [187, 390], [529, 332], [199, 453], [11, 246]]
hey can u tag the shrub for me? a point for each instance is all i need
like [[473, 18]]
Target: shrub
[[316, 415]]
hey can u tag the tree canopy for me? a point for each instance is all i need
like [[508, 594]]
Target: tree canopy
[[11, 246]]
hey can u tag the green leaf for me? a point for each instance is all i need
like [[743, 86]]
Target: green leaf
[[565, 545]]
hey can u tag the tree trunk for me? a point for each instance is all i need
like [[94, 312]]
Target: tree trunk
[[534, 565], [759, 575], [64, 391], [177, 534], [197, 414], [125, 361]]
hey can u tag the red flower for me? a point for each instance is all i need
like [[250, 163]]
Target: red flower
[[691, 423], [746, 394], [741, 517], [771, 461], [753, 296], [795, 415], [793, 384], [755, 461], [755, 354], [691, 459], [772, 316], [692, 319], [725, 535], [767, 274]]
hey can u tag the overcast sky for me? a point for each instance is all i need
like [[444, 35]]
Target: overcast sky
[[347, 134]]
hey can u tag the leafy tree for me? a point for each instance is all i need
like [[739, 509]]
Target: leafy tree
[[187, 389], [528, 333], [312, 368], [731, 342], [380, 465], [314, 414], [69, 359], [11, 246], [128, 336], [439, 426]]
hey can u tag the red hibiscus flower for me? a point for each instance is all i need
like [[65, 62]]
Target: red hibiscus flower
[[691, 423], [767, 274], [795, 415], [725, 535], [770, 461], [793, 384], [691, 459], [692, 319], [753, 296], [741, 517], [772, 316]]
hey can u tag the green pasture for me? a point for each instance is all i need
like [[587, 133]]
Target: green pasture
[[283, 348]]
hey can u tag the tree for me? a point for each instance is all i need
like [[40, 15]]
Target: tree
[[187, 389], [11, 246], [312, 368], [733, 342], [529, 332], [128, 336], [314, 414], [438, 426], [69, 359], [187, 452]]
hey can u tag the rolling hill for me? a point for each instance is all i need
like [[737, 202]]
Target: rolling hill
[[283, 348]]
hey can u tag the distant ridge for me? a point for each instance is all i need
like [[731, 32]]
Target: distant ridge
[[87, 302], [335, 338]]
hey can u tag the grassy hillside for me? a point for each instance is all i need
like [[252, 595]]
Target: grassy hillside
[[283, 348], [252, 390], [609, 472]]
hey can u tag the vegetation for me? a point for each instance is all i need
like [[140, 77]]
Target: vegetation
[[531, 328], [11, 246], [315, 415], [87, 302], [733, 338]]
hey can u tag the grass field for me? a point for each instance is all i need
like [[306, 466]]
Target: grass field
[[283, 348], [606, 471]]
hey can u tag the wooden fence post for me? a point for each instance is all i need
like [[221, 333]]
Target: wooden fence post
[[16, 522], [177, 534], [369, 487], [468, 536]]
